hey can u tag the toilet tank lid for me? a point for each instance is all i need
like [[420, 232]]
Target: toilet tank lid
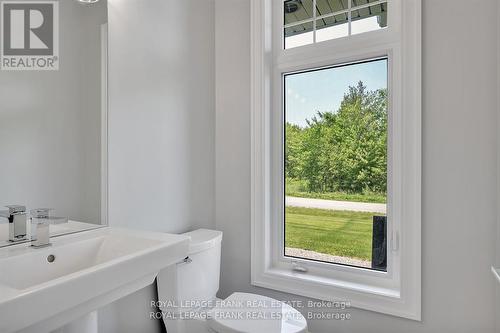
[[203, 239]]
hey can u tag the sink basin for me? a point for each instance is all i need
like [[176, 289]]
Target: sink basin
[[25, 271], [28, 270], [43, 289]]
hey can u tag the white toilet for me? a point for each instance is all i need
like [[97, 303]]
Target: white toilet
[[186, 292]]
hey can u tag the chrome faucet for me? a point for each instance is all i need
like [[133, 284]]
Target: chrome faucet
[[40, 221], [40, 224], [17, 222]]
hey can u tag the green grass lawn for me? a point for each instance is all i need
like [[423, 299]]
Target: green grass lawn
[[340, 233], [296, 188]]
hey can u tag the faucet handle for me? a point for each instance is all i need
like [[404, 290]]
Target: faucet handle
[[16, 209], [12, 210], [41, 213]]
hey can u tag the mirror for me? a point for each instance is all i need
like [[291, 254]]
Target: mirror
[[53, 112]]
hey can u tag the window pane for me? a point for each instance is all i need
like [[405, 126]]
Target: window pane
[[299, 35], [331, 18], [336, 164], [296, 11], [334, 19], [327, 7], [369, 18], [331, 32]]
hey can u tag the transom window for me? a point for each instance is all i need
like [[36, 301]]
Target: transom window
[[311, 21]]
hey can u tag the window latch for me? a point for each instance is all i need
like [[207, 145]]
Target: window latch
[[296, 267]]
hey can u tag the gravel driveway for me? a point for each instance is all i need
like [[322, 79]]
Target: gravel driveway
[[336, 205], [289, 251]]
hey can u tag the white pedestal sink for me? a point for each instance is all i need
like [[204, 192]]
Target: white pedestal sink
[[43, 289]]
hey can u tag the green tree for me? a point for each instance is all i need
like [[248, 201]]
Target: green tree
[[293, 147], [344, 150]]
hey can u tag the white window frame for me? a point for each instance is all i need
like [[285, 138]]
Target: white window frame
[[398, 291]]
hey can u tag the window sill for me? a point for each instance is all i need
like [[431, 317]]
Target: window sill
[[362, 296]]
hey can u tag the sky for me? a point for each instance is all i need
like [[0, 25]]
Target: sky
[[323, 90]]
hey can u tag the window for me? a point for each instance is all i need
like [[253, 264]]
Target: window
[[335, 165], [311, 21], [336, 151]]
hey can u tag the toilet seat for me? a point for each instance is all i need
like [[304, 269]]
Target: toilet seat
[[250, 313]]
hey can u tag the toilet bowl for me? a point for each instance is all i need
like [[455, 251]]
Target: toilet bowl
[[187, 297]]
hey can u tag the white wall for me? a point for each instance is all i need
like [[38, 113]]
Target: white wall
[[232, 140], [459, 167], [50, 123], [161, 117], [161, 128]]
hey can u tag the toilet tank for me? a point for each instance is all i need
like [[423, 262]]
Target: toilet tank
[[195, 280]]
